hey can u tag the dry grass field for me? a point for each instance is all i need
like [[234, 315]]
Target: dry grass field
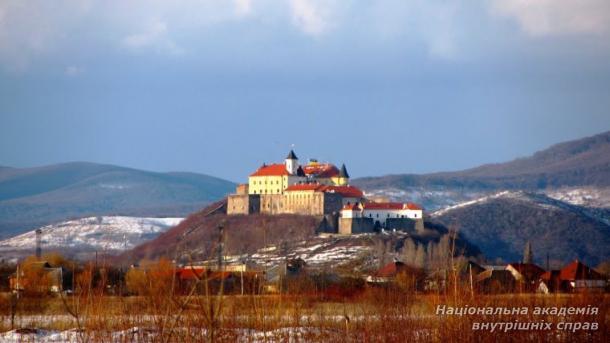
[[371, 315]]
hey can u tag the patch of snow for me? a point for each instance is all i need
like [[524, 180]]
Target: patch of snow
[[112, 233], [582, 196], [475, 201]]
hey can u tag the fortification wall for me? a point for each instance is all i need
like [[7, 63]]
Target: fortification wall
[[243, 204], [348, 226]]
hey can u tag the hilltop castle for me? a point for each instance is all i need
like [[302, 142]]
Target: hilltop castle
[[318, 189]]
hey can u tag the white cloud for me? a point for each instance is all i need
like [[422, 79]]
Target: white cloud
[[434, 24], [552, 17], [309, 16], [154, 35], [243, 7]]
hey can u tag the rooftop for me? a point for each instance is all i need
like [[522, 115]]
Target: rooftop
[[276, 169], [346, 191]]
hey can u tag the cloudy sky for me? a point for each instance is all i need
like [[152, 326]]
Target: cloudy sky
[[220, 86]]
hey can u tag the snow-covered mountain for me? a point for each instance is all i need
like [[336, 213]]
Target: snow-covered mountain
[[110, 234]]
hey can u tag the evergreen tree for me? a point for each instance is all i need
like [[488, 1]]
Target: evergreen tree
[[528, 255]]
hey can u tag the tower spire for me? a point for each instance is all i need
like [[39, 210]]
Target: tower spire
[[292, 163], [343, 172]]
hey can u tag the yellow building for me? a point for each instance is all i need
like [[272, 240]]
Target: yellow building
[[275, 178]]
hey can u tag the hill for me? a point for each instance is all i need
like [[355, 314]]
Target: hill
[[268, 240], [82, 238], [501, 224], [34, 197], [574, 164]]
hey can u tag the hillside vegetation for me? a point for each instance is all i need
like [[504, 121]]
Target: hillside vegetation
[[501, 225]]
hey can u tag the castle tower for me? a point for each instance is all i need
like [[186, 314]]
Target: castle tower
[[292, 163], [343, 178]]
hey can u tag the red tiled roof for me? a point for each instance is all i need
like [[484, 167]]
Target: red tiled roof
[[390, 206], [277, 169], [322, 170], [346, 191], [393, 268], [578, 271], [190, 273], [383, 206], [413, 206]]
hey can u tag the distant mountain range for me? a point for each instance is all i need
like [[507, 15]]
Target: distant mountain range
[[574, 164], [34, 197]]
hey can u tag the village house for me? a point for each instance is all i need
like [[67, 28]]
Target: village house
[[526, 275], [39, 277], [397, 273], [575, 277]]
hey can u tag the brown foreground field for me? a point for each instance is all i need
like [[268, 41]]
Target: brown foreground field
[[373, 315]]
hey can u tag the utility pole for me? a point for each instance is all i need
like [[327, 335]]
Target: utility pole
[[220, 247], [471, 288], [38, 244]]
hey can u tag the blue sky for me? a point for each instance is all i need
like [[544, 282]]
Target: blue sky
[[221, 86]]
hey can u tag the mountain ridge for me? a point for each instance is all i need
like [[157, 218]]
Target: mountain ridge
[[34, 197], [584, 161]]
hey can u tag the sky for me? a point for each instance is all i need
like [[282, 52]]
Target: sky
[[221, 86]]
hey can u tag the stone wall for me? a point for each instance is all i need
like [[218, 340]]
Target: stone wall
[[329, 223], [348, 226], [333, 203], [243, 204], [403, 224], [272, 204], [314, 204]]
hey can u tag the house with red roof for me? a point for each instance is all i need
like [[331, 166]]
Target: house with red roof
[[398, 272], [575, 277]]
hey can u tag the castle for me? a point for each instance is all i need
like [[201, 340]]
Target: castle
[[319, 189]]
